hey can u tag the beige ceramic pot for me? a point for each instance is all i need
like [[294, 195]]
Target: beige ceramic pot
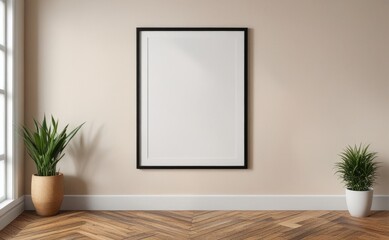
[[47, 194]]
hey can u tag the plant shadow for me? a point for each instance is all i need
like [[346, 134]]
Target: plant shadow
[[83, 151]]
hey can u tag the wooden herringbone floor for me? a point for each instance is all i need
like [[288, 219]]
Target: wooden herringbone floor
[[198, 225]]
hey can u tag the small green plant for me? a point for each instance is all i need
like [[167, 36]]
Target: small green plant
[[357, 168], [45, 145]]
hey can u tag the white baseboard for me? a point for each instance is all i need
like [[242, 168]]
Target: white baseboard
[[11, 210], [209, 202]]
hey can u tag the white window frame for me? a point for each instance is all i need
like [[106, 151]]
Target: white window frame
[[13, 205], [3, 157], [11, 125]]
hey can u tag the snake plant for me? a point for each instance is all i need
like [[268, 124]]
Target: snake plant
[[45, 144]]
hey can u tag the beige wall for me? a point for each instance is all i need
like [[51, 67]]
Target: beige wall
[[319, 80]]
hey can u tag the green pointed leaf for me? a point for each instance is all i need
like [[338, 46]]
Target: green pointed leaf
[[45, 144], [357, 168]]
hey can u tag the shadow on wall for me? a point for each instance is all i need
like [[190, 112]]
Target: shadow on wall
[[85, 153], [250, 98], [383, 177]]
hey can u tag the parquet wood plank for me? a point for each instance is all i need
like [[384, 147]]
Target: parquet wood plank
[[177, 225]]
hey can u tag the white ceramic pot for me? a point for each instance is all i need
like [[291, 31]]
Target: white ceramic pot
[[359, 202]]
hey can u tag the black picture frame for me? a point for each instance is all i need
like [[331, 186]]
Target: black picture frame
[[151, 36]]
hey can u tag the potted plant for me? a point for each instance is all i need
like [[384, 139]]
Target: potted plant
[[358, 172], [45, 145]]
